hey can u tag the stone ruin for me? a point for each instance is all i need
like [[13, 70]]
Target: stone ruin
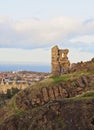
[[60, 62]]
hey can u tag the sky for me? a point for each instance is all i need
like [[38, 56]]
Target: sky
[[30, 28]]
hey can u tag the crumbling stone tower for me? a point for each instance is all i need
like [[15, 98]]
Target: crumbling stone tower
[[60, 62]]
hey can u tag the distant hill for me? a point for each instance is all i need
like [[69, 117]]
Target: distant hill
[[57, 103]]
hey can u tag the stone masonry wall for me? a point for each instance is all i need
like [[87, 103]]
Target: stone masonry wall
[[60, 62]]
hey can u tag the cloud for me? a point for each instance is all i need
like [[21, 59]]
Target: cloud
[[45, 32], [34, 33], [30, 37], [84, 39]]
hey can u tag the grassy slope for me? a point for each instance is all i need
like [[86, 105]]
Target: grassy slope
[[11, 108], [71, 76]]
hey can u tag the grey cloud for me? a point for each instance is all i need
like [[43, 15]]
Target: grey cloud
[[33, 33]]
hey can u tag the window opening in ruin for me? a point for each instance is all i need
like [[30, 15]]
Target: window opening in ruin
[[62, 55]]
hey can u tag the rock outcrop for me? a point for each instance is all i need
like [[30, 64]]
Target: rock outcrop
[[40, 96], [80, 66], [53, 104], [52, 107], [74, 114]]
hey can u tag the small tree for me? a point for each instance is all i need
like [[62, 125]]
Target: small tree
[[9, 94], [14, 91]]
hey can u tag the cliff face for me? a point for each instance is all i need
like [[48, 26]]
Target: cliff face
[[57, 103], [31, 98], [74, 114]]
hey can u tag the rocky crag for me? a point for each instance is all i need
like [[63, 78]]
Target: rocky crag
[[80, 66], [41, 95], [57, 103]]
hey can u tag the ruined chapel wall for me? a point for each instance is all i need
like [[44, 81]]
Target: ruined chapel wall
[[60, 63]]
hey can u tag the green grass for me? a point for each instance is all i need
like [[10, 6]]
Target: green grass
[[88, 94], [85, 96], [64, 78], [70, 76], [20, 112]]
